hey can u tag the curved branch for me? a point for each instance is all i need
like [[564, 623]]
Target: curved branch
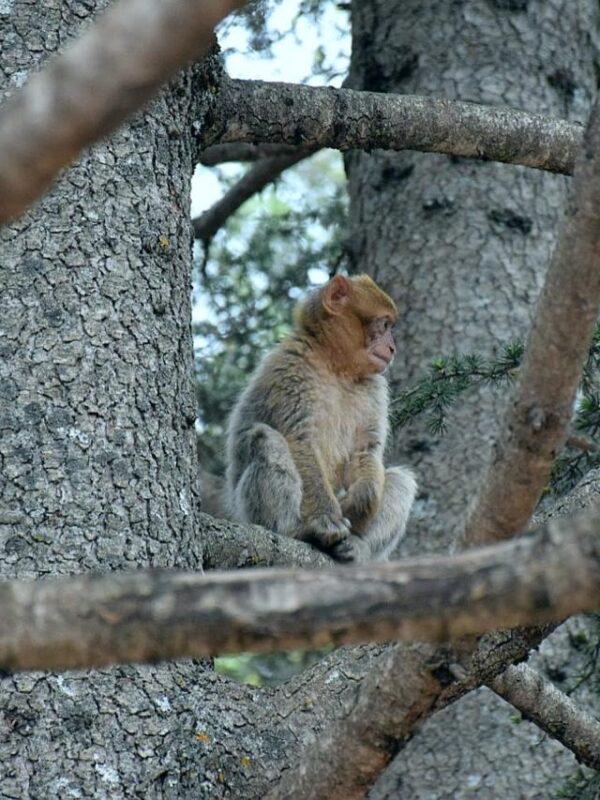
[[149, 615], [551, 710], [262, 174], [316, 117], [537, 422], [109, 72]]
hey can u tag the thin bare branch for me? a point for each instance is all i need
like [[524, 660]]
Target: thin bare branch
[[315, 117], [552, 710], [262, 174], [537, 422], [223, 153], [579, 442], [91, 619], [104, 76]]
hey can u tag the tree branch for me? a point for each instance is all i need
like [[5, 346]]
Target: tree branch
[[392, 697], [149, 615], [551, 710], [262, 174], [537, 422], [104, 76], [315, 117], [228, 545], [223, 153]]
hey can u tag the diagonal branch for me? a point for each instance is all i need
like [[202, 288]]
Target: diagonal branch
[[537, 422], [551, 710], [109, 72], [316, 117], [254, 181], [149, 615]]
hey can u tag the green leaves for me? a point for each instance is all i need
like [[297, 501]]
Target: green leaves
[[447, 379]]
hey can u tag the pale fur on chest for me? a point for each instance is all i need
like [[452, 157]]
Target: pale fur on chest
[[347, 419]]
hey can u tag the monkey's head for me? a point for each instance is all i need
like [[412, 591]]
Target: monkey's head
[[351, 319]]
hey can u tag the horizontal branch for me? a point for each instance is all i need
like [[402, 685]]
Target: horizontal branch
[[345, 119], [145, 616], [254, 181], [108, 73], [550, 709], [537, 422], [226, 153]]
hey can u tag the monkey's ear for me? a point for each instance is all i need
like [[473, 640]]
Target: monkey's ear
[[336, 294]]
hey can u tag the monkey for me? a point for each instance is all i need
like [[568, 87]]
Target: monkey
[[306, 438]]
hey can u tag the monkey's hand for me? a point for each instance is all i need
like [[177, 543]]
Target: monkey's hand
[[324, 530], [361, 504], [353, 549]]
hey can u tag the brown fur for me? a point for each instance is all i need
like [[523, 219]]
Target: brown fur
[[306, 438]]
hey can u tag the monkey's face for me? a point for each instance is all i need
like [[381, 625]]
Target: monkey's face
[[380, 343]]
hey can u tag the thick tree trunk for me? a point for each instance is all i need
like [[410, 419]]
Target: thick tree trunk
[[97, 445], [463, 247]]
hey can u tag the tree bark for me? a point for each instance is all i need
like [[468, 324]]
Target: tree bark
[[95, 620], [463, 247], [97, 441], [105, 75], [99, 472]]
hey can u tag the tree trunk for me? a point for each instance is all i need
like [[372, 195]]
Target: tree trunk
[[98, 451], [98, 447], [463, 247]]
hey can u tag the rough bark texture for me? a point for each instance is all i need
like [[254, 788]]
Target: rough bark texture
[[98, 471], [97, 440], [94, 620], [106, 74], [314, 117], [97, 406], [537, 422], [463, 247], [541, 702]]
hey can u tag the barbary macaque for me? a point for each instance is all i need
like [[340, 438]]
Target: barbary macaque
[[306, 438]]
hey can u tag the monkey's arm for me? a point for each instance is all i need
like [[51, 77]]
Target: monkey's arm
[[322, 520], [366, 476]]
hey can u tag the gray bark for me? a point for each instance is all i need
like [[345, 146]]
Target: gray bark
[[98, 472], [315, 117], [536, 424], [463, 247], [552, 710], [97, 440], [108, 72], [94, 620]]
